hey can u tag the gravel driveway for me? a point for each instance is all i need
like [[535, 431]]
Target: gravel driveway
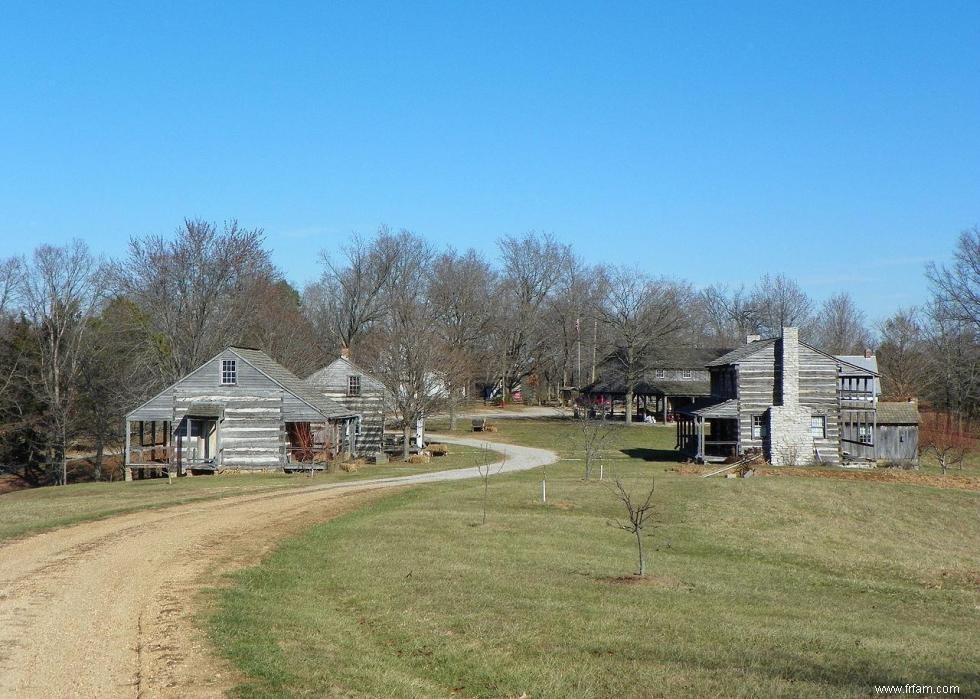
[[105, 608]]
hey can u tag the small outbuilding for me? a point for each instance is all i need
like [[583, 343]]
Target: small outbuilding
[[897, 431], [239, 410], [345, 383]]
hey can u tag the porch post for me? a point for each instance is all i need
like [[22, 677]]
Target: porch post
[[701, 453], [127, 470]]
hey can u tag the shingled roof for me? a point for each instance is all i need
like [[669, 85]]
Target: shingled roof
[[897, 413], [292, 383], [740, 353]]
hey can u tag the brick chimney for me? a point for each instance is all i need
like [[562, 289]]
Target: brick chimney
[[790, 355]]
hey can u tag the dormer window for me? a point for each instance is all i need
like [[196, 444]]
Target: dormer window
[[229, 372], [353, 385]]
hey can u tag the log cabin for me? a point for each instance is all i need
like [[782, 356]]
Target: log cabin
[[785, 398], [345, 383], [240, 410]]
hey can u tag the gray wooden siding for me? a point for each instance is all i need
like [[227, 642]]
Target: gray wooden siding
[[206, 380], [332, 381], [897, 442], [758, 380]]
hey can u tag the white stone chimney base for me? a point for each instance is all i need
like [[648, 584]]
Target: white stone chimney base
[[790, 439]]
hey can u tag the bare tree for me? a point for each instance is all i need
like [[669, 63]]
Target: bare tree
[[460, 295], [410, 359], [839, 327], [192, 294], [640, 314], [533, 267], [59, 292], [726, 315], [485, 467], [638, 511], [958, 287], [593, 434], [348, 301], [778, 302], [945, 439], [902, 357]]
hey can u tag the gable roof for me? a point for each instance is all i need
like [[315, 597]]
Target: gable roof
[[292, 383], [740, 353], [341, 366], [751, 348], [275, 372]]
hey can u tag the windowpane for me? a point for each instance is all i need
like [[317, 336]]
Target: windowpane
[[818, 426], [353, 385], [759, 427], [229, 371]]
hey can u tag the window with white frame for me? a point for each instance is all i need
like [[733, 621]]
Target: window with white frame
[[864, 434], [661, 373], [229, 372], [353, 385], [686, 374], [759, 427], [818, 426]]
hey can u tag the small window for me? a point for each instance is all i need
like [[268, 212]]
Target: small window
[[229, 372], [353, 385], [759, 427], [686, 374], [864, 434], [818, 426], [357, 425], [661, 373]]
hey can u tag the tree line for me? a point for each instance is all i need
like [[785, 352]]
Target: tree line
[[85, 339]]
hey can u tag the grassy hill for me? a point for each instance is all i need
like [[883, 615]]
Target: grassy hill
[[771, 586]]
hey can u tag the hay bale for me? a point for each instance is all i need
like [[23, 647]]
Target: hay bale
[[438, 449], [420, 458], [490, 428]]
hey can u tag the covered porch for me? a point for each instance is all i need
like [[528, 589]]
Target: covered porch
[[709, 433]]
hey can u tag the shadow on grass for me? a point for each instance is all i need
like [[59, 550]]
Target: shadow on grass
[[670, 456]]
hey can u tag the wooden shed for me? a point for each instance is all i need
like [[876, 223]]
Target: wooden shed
[[347, 384], [897, 432], [239, 410]]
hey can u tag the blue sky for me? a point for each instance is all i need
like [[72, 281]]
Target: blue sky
[[836, 143]]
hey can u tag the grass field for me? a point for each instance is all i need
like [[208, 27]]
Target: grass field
[[759, 587], [30, 511]]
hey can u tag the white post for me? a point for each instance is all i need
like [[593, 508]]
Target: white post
[[600, 470], [544, 491]]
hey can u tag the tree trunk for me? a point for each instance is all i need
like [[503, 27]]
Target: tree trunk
[[99, 452], [629, 406], [639, 548], [452, 412], [405, 440]]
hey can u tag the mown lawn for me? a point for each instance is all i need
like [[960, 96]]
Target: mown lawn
[[760, 587], [30, 511]]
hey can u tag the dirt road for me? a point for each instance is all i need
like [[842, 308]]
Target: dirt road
[[105, 609]]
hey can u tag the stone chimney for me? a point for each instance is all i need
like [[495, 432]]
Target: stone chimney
[[790, 355], [749, 339], [868, 354]]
